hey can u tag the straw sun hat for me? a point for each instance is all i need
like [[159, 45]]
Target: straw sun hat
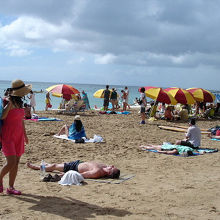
[[18, 88]]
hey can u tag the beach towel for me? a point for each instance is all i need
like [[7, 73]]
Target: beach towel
[[71, 178], [95, 139], [214, 139], [44, 119], [122, 178], [115, 112], [200, 151]]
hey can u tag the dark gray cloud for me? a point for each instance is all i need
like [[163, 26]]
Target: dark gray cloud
[[144, 32]]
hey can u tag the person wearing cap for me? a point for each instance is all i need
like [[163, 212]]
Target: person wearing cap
[[75, 132], [193, 136], [13, 133]]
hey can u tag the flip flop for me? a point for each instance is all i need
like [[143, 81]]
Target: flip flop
[[55, 178], [47, 178]]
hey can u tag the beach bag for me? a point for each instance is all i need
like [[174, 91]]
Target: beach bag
[[49, 106]]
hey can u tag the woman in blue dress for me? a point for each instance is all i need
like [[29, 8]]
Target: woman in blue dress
[[75, 131]]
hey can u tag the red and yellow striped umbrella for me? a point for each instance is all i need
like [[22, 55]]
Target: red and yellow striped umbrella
[[63, 90], [159, 95], [202, 95], [181, 95]]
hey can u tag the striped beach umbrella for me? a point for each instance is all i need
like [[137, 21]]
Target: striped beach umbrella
[[181, 95], [202, 95], [63, 90], [158, 94]]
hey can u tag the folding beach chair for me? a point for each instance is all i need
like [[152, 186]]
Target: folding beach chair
[[75, 106]]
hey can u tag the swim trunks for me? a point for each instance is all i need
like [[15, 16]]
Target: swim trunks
[[72, 166]]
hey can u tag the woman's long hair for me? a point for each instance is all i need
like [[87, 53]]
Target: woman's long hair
[[78, 125], [17, 101]]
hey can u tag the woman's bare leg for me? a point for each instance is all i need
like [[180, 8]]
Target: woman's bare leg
[[13, 173], [64, 130], [48, 167], [10, 164]]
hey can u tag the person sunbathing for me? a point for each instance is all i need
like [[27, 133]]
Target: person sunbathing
[[91, 170], [170, 149], [216, 136], [76, 131]]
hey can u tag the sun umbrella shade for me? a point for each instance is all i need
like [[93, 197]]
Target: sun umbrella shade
[[202, 95], [181, 95], [63, 90], [100, 93], [159, 95]]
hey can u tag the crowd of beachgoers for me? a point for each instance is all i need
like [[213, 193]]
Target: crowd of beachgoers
[[138, 138]]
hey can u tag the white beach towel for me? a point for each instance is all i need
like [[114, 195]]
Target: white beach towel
[[95, 139], [71, 178]]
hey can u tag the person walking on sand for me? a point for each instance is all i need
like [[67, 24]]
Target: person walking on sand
[[13, 133], [143, 103], [32, 100], [47, 101]]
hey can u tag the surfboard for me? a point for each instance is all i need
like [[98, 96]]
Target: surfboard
[[184, 130], [185, 127]]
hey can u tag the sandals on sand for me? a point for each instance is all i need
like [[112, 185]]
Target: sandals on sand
[[50, 178], [13, 191]]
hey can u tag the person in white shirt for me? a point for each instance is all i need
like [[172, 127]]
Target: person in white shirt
[[32, 100], [193, 136], [143, 103]]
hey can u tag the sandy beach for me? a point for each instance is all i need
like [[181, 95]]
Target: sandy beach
[[164, 186]]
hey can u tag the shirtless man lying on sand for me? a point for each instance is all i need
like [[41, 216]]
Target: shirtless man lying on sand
[[91, 170]]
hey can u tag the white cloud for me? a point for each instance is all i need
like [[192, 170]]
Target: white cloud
[[139, 34], [105, 59]]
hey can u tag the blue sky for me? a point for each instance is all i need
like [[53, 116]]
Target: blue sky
[[144, 43]]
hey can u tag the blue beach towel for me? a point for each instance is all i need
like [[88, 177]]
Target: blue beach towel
[[214, 139], [48, 119]]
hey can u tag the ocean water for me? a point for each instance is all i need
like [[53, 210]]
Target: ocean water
[[90, 89]]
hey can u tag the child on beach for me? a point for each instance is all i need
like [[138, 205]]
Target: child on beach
[[27, 111], [76, 131], [47, 100], [13, 133]]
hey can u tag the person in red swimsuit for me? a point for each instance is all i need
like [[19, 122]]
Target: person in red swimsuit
[[13, 133]]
